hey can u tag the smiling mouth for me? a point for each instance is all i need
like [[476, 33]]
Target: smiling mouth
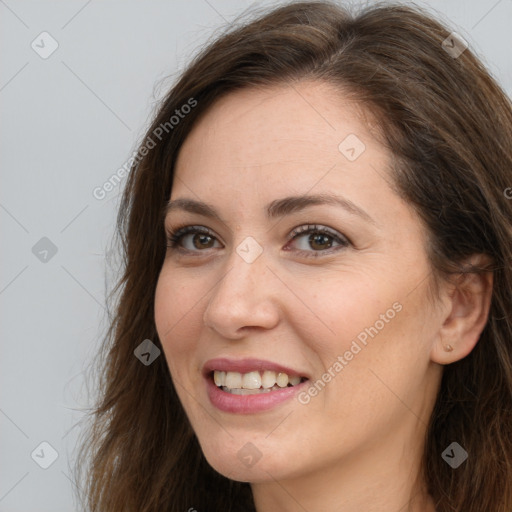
[[255, 382]]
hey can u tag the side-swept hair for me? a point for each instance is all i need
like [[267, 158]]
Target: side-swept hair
[[448, 125]]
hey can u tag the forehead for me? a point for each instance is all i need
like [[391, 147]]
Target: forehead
[[289, 129], [304, 109], [256, 146]]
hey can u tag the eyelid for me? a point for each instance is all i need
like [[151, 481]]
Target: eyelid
[[174, 234], [306, 228], [180, 231]]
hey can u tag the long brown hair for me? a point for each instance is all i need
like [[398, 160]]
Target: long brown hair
[[448, 125]]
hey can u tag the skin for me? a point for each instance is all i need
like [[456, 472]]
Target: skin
[[357, 444]]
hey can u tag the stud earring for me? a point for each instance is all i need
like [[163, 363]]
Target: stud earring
[[448, 348]]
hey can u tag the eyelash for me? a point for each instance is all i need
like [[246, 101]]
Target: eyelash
[[175, 236]]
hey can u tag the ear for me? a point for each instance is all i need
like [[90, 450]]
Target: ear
[[468, 302]]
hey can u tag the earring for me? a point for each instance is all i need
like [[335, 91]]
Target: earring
[[448, 348]]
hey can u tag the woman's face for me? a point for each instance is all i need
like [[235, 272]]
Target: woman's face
[[343, 305]]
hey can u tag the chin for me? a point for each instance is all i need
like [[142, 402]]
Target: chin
[[246, 461]]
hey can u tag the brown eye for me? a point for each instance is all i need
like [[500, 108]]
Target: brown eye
[[320, 240], [200, 238]]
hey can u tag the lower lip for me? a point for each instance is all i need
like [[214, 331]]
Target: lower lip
[[248, 404]]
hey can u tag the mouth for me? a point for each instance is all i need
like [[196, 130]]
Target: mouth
[[247, 386], [254, 382]]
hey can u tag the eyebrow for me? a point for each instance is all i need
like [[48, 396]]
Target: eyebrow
[[276, 208]]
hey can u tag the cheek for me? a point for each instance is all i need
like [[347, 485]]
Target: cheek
[[342, 308], [366, 328], [176, 299], [177, 318]]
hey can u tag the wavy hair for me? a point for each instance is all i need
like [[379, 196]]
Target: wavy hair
[[448, 125]]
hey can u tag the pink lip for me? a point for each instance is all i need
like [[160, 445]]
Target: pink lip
[[247, 404]]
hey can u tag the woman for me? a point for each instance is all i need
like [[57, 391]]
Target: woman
[[314, 311]]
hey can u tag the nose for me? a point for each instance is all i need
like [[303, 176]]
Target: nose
[[244, 298]]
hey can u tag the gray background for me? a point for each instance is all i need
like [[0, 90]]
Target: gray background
[[68, 123]]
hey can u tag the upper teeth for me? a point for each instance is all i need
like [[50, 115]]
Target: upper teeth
[[254, 380]]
